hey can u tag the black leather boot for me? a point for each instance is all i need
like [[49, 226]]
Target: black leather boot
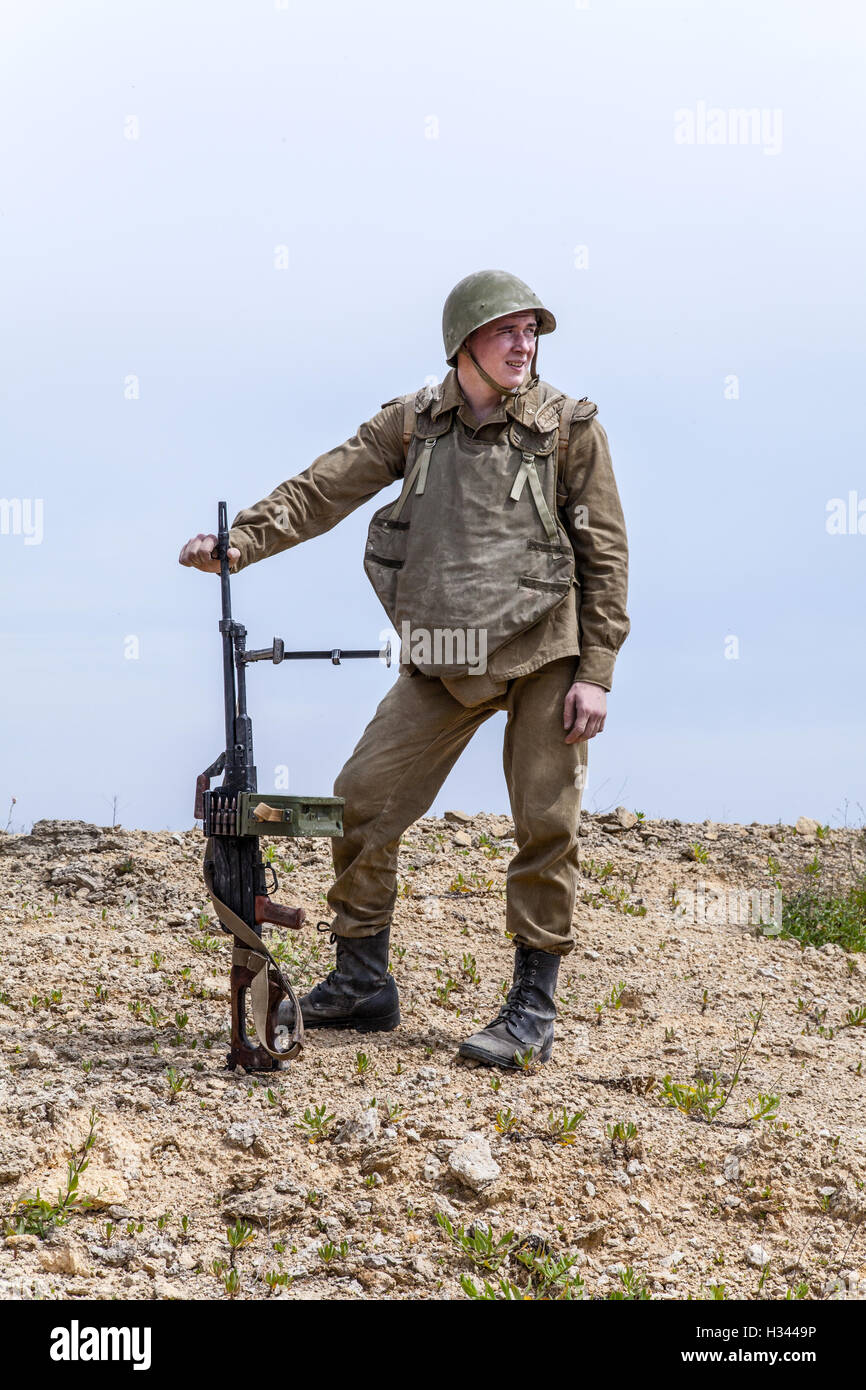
[[526, 1018], [359, 993]]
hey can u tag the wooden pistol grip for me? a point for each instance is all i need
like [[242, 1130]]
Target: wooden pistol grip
[[266, 911], [202, 783]]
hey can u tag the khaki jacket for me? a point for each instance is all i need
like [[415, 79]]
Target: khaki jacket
[[591, 624]]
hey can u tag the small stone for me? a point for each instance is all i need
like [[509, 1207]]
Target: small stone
[[265, 1207], [362, 1127], [446, 1208], [757, 1256], [22, 1242], [379, 1158], [591, 955], [463, 839], [472, 1162], [589, 1189], [458, 818], [807, 827], [618, 820], [245, 1179], [241, 1135], [164, 1290], [731, 1168], [72, 876], [676, 1257]]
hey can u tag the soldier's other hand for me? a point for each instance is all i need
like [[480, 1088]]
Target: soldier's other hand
[[199, 552], [584, 712]]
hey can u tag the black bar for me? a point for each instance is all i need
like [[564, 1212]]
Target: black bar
[[267, 654]]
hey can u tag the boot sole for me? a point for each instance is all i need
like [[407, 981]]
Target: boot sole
[[478, 1054], [386, 1024]]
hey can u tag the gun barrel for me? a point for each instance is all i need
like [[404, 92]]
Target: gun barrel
[[226, 625]]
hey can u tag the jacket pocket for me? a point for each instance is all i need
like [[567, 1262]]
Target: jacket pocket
[[550, 586], [549, 547], [383, 560]]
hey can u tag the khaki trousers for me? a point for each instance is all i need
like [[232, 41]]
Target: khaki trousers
[[395, 772]]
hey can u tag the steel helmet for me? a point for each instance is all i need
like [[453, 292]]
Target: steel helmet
[[478, 299]]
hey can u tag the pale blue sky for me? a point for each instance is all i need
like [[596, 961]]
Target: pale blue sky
[[309, 127]]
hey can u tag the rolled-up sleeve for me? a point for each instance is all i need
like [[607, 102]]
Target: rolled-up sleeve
[[597, 530], [334, 485]]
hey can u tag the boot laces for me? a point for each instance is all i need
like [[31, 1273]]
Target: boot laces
[[517, 1003], [323, 927]]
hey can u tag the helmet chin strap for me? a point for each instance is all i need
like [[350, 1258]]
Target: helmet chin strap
[[485, 376]]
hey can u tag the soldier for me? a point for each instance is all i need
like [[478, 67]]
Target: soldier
[[503, 566]]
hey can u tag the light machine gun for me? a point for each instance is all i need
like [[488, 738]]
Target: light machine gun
[[233, 816]]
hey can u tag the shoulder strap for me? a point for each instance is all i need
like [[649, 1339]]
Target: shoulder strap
[[572, 410], [565, 420], [409, 418], [409, 402]]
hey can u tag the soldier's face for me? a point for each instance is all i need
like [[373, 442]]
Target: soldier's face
[[505, 347]]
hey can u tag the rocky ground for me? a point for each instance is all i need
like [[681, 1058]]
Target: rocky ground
[[114, 1003]]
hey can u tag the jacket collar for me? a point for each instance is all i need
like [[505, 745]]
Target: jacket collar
[[521, 407]]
